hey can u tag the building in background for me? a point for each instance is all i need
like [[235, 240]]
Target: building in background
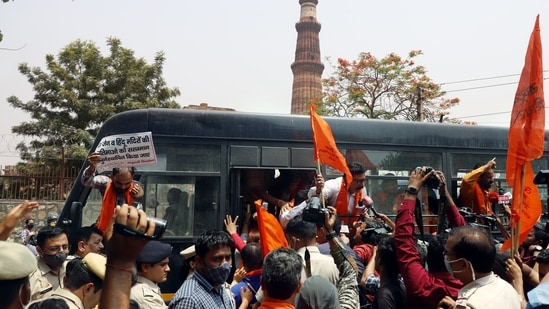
[[307, 67]]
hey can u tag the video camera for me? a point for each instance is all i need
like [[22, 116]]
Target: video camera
[[471, 217], [314, 212], [373, 230]]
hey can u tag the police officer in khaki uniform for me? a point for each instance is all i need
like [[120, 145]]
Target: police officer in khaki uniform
[[53, 248], [189, 254], [152, 268], [83, 282], [16, 264]]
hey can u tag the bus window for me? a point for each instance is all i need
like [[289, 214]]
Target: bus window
[[187, 203], [92, 209], [399, 162], [395, 164], [188, 158], [464, 163], [386, 190], [288, 185]]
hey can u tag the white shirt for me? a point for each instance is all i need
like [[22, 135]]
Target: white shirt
[[490, 292], [330, 191], [321, 264]]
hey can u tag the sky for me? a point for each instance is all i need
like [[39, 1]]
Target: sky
[[237, 54]]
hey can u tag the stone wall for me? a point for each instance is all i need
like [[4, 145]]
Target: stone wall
[[40, 215]]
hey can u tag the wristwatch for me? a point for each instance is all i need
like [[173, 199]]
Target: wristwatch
[[331, 235], [538, 248], [411, 190]]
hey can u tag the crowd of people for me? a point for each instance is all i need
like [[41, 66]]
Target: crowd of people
[[330, 260]]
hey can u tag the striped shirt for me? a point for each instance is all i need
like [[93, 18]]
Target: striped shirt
[[197, 293]]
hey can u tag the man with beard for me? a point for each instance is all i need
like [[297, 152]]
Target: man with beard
[[152, 269], [207, 288], [475, 189], [52, 248], [118, 189], [345, 197]]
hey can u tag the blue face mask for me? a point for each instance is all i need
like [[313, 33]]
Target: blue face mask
[[217, 275]]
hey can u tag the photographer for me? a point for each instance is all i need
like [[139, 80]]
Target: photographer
[[301, 236], [316, 292], [424, 288]]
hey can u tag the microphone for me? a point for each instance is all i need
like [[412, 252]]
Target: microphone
[[369, 204], [493, 197], [368, 200], [506, 198]]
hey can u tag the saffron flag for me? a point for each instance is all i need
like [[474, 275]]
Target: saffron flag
[[271, 233], [325, 149], [526, 140]]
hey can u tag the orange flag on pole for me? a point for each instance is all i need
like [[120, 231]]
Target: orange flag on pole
[[325, 148], [526, 141], [271, 233]]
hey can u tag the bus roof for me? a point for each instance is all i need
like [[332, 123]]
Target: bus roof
[[240, 125]]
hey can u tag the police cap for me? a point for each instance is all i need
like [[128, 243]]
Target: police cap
[[154, 252], [96, 263], [17, 261], [188, 252]]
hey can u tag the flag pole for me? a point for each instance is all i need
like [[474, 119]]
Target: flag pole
[[514, 249], [321, 195]]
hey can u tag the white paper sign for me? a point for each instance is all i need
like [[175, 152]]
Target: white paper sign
[[126, 150]]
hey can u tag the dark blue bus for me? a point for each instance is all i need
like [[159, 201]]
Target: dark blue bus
[[205, 155]]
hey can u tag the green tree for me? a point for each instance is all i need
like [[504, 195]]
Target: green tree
[[79, 91], [390, 88]]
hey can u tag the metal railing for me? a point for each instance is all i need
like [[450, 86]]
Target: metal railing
[[46, 183]]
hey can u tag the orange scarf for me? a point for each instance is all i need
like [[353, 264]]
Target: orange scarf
[[109, 203], [480, 197], [342, 203]]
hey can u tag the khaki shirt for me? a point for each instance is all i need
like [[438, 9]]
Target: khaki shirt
[[67, 296], [43, 280], [147, 294]]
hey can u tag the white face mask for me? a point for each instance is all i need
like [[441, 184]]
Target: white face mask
[[453, 272]]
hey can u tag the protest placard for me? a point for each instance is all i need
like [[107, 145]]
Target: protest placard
[[132, 149]]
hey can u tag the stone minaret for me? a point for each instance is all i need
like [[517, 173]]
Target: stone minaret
[[307, 67]]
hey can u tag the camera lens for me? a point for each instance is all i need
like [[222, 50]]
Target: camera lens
[[159, 227], [432, 182]]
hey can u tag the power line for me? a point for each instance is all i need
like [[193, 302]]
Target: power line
[[492, 114], [481, 87], [478, 79], [484, 115], [482, 78]]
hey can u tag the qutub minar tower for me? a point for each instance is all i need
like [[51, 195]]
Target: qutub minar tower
[[307, 67]]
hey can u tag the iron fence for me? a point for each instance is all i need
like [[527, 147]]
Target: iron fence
[[45, 183]]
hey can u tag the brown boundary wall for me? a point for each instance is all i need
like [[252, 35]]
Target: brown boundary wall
[[40, 215]]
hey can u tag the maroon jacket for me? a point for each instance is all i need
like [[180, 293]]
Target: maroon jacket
[[424, 289]]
